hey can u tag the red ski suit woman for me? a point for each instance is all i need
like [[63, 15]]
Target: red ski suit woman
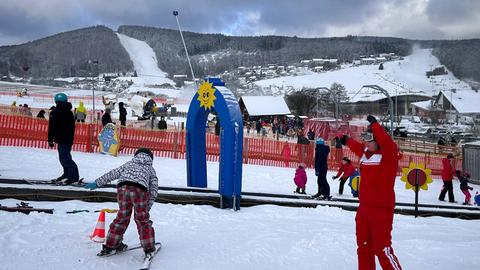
[[374, 217]]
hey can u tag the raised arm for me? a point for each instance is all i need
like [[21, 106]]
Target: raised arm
[[388, 147]]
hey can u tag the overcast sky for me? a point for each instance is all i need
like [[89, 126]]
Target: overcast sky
[[24, 20]]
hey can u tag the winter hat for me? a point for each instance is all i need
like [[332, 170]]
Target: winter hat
[[466, 174], [450, 155], [319, 141], [144, 150], [61, 97]]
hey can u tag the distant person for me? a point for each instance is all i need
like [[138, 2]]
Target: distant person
[[217, 126], [61, 130], [321, 169], [258, 126], [26, 110], [346, 170], [107, 118], [311, 135], [300, 179], [301, 139], [81, 113], [123, 114], [448, 172], [464, 187], [162, 124], [41, 114]]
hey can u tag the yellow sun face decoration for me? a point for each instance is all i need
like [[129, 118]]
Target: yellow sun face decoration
[[206, 95], [414, 172]]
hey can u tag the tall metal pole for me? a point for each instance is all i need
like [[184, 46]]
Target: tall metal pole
[[390, 103], [175, 13]]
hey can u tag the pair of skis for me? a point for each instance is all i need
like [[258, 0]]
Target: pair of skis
[[55, 182], [147, 261]]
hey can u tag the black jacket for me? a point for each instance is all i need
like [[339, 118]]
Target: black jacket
[[463, 182], [311, 135], [106, 118], [302, 140], [162, 124], [61, 125], [123, 113], [321, 158]]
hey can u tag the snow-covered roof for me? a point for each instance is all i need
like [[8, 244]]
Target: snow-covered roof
[[424, 105], [265, 105], [464, 101]]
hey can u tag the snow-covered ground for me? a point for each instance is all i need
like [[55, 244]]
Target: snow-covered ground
[[144, 61], [204, 237], [172, 172], [400, 77]]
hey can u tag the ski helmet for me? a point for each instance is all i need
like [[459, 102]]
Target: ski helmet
[[61, 97], [144, 150], [319, 141]]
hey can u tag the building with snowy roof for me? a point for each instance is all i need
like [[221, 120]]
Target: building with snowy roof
[[460, 102], [255, 106]]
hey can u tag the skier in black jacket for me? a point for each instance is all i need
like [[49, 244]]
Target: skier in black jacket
[[321, 168], [106, 118], [61, 130], [123, 114]]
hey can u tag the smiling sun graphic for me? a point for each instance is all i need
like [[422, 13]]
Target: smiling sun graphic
[[206, 95], [414, 171]]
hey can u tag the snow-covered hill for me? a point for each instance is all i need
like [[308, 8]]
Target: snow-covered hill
[[401, 77], [144, 61]]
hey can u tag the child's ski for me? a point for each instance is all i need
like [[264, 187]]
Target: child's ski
[[148, 259], [137, 246]]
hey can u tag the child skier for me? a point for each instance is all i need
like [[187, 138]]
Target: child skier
[[137, 188], [464, 187], [346, 170], [300, 178]]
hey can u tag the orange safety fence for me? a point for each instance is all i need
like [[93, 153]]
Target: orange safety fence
[[24, 131]]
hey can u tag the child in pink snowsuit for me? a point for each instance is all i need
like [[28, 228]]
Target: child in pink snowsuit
[[464, 187], [300, 178]]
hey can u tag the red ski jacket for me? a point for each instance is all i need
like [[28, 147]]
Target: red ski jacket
[[378, 170], [347, 171], [447, 170]]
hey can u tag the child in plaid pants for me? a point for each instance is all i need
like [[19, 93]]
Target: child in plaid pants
[[136, 191]]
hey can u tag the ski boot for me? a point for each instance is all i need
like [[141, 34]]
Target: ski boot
[[110, 251], [59, 179], [149, 253]]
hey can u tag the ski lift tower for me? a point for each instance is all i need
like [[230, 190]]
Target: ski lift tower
[[390, 103]]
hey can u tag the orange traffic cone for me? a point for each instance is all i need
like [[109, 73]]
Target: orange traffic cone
[[99, 232]]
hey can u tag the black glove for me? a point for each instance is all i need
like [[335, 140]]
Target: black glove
[[51, 144], [471, 188], [371, 119], [334, 177], [344, 139]]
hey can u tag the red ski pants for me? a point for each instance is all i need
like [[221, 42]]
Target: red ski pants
[[129, 198], [374, 227]]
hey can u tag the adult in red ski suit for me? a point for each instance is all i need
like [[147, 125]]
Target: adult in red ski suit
[[374, 219]]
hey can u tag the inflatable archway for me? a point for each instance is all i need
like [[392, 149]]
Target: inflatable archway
[[213, 96]]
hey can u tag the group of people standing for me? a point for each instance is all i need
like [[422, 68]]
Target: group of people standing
[[448, 173]]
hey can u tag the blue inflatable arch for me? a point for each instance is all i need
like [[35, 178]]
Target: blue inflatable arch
[[224, 103]]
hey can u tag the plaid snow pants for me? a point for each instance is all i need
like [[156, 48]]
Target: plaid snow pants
[[132, 197], [374, 228]]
